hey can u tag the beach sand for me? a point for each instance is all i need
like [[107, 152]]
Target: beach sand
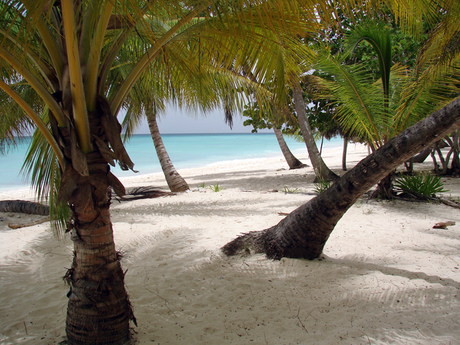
[[386, 276]]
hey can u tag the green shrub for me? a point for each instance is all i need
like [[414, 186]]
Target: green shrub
[[423, 184]]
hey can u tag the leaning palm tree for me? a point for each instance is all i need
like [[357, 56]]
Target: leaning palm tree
[[66, 51], [304, 233]]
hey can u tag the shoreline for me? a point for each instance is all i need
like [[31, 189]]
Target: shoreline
[[386, 275], [26, 192], [181, 162]]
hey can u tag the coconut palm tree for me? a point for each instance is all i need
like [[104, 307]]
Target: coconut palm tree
[[304, 232], [65, 51], [175, 181]]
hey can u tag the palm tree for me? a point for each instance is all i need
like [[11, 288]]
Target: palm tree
[[175, 181], [304, 232], [66, 51], [259, 121], [291, 160], [322, 172]]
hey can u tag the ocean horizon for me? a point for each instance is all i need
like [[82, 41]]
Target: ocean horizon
[[185, 150]]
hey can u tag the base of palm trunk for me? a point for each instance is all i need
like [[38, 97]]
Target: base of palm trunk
[[98, 312]]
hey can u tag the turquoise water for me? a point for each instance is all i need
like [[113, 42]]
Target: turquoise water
[[185, 151]]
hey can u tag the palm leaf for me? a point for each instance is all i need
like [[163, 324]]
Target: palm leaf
[[435, 87], [43, 168]]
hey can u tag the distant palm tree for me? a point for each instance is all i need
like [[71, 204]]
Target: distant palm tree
[[175, 181]]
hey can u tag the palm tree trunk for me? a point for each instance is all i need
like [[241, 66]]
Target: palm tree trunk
[[455, 167], [98, 309], [175, 182], [322, 172], [344, 154], [304, 232], [291, 160]]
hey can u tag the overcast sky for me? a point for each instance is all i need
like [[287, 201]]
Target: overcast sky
[[176, 121]]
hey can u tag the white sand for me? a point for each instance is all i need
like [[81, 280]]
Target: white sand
[[386, 277]]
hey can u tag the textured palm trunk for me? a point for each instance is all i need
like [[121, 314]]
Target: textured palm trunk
[[98, 309], [175, 182], [304, 232], [291, 160], [322, 172]]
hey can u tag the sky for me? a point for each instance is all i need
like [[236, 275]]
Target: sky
[[176, 121]]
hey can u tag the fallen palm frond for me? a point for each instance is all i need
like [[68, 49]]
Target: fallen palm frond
[[143, 193], [22, 206]]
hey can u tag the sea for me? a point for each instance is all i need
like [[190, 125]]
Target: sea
[[185, 151]]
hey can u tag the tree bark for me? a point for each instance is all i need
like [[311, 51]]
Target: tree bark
[[291, 160], [322, 172], [98, 310], [175, 181], [304, 232]]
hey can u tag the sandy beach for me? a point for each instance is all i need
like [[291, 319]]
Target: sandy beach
[[386, 276]]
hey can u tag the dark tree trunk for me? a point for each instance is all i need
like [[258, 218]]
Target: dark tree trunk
[[420, 157], [344, 154], [98, 311], [304, 232], [455, 149], [409, 165], [385, 188], [175, 181], [322, 172], [291, 160]]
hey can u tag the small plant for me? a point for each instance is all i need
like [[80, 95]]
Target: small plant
[[288, 190], [201, 185], [215, 188], [321, 186], [420, 185]]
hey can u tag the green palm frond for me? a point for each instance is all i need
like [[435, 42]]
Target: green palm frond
[[431, 90], [44, 170], [360, 108]]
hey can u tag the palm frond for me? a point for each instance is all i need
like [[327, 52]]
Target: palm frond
[[428, 91], [360, 110], [43, 168]]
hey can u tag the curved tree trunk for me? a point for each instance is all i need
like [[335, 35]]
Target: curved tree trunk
[[175, 182], [291, 160], [304, 232], [321, 170]]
